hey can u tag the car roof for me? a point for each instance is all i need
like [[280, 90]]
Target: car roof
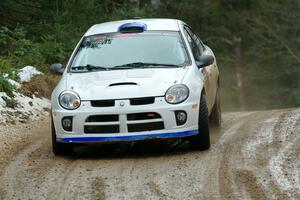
[[152, 24]]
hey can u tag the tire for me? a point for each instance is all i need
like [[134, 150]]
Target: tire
[[216, 114], [57, 147], [201, 141]]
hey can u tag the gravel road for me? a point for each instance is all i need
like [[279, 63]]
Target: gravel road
[[256, 155]]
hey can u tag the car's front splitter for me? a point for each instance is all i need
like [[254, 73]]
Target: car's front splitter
[[127, 137]]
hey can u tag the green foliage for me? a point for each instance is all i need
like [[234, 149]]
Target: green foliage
[[5, 65], [52, 51], [6, 72], [6, 87], [19, 50]]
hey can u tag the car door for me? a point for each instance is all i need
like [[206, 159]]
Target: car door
[[213, 76], [211, 70], [198, 49]]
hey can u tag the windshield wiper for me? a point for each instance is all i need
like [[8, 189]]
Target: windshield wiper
[[143, 65], [90, 67]]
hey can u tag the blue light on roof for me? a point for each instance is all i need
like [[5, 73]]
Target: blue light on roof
[[133, 25]]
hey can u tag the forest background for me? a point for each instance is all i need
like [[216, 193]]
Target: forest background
[[256, 42]]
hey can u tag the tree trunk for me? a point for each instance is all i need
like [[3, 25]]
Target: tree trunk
[[237, 44]]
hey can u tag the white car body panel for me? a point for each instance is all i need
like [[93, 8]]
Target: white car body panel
[[150, 83], [88, 85]]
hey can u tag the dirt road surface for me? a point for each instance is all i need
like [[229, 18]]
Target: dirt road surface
[[256, 155]]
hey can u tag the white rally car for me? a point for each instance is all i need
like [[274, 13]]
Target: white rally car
[[136, 80]]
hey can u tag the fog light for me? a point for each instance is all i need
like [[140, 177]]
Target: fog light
[[67, 123], [181, 117]]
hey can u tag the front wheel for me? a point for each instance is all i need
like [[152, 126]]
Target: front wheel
[[216, 114], [57, 147], [201, 141]]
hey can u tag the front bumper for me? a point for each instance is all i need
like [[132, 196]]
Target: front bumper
[[121, 138], [123, 108]]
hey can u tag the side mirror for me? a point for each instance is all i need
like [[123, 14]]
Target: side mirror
[[57, 68], [205, 60]]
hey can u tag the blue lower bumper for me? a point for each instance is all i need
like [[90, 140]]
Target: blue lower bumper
[[127, 138]]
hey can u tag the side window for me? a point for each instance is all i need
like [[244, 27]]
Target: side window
[[193, 45], [198, 42]]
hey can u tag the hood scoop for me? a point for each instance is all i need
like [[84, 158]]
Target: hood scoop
[[122, 83]]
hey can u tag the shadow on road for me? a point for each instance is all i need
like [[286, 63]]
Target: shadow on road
[[140, 149]]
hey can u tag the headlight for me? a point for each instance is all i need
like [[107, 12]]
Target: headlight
[[69, 100], [177, 94]]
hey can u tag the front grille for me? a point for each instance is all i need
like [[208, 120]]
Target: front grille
[[146, 127], [103, 118], [148, 121], [133, 122], [98, 129], [143, 116], [103, 103], [102, 124], [142, 101], [133, 102]]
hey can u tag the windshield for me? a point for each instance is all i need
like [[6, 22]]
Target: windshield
[[147, 49]]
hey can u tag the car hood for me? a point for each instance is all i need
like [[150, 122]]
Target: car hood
[[120, 84]]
